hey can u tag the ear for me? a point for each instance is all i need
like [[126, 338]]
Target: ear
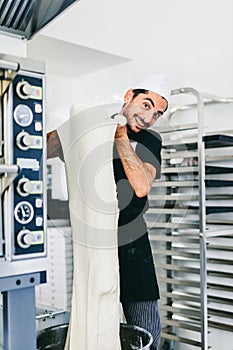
[[128, 96]]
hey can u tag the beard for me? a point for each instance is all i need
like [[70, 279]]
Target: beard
[[130, 112], [133, 115]]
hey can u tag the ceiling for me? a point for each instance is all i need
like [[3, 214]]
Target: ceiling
[[68, 59]]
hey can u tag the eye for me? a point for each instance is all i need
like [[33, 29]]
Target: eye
[[157, 115], [146, 105]]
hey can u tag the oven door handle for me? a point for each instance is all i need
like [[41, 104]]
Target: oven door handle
[[10, 172], [9, 65]]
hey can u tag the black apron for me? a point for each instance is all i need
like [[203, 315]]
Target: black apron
[[137, 273]]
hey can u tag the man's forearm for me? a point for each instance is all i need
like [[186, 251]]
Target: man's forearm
[[54, 148], [139, 174]]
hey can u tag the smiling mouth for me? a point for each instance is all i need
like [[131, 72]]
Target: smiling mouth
[[140, 124]]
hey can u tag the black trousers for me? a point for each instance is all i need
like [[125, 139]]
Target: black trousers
[[144, 314]]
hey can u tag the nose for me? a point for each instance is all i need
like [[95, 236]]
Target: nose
[[149, 116]]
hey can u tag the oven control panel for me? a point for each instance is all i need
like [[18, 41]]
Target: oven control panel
[[28, 212]]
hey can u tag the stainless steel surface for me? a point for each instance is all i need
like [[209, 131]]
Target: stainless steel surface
[[165, 210], [220, 232], [181, 339], [9, 65], [9, 169], [172, 225], [53, 338], [173, 197], [222, 326], [190, 256], [179, 324], [211, 100], [191, 226], [182, 310], [132, 337], [176, 183], [177, 142], [15, 63], [181, 296], [8, 158], [47, 317], [174, 239], [9, 172], [177, 127], [23, 238], [24, 18], [180, 169], [174, 267], [180, 282], [202, 215], [179, 154]]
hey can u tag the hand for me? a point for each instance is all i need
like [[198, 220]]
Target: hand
[[121, 132]]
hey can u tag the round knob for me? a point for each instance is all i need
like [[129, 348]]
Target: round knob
[[24, 239], [23, 140], [24, 90], [24, 187]]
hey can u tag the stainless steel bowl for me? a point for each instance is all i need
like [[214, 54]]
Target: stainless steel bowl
[[52, 338], [132, 338]]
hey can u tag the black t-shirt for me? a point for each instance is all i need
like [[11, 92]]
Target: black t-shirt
[[147, 145]]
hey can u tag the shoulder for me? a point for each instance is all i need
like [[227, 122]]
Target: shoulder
[[150, 136]]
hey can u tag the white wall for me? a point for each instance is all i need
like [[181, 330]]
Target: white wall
[[188, 40], [103, 86], [12, 46], [58, 100]]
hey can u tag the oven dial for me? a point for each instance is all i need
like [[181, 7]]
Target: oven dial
[[23, 115], [24, 187], [23, 140], [24, 239], [24, 90], [24, 212]]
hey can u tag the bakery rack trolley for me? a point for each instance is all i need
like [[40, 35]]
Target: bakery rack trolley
[[191, 224]]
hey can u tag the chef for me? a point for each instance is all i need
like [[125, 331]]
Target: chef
[[136, 162]]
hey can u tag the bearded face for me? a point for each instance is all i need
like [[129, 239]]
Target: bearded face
[[142, 111]]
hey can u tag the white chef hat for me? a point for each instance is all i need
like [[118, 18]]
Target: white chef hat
[[156, 83]]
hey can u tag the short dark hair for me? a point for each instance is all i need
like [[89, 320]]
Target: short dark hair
[[136, 92]]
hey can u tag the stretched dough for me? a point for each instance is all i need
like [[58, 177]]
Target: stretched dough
[[87, 140]]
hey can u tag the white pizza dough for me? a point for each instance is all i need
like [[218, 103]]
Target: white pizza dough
[[87, 140]]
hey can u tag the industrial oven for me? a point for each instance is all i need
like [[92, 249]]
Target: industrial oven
[[23, 171], [23, 196]]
